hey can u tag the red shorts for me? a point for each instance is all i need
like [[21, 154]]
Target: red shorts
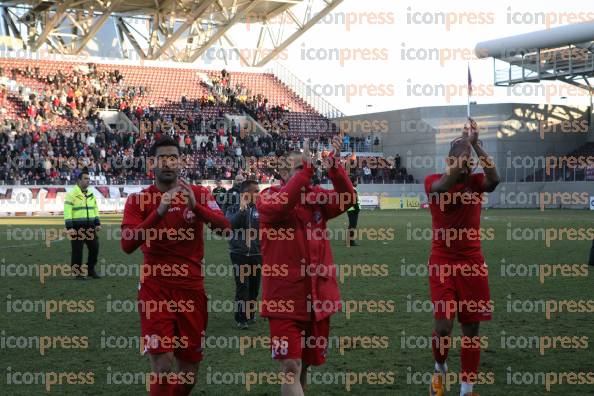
[[172, 320], [305, 340], [460, 287]]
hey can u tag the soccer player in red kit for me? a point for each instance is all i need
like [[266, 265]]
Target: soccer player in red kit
[[458, 275], [166, 221], [299, 287]]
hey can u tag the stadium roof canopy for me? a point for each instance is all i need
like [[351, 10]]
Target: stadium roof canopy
[[564, 53], [178, 30]]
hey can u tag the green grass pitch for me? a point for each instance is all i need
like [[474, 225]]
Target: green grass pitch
[[515, 370]]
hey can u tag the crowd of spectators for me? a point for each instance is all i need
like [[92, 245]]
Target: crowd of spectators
[[361, 143], [76, 94], [212, 147], [366, 172], [272, 117]]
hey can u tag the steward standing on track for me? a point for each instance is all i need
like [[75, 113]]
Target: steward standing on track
[[81, 216]]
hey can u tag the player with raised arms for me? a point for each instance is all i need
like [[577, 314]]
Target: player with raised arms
[[299, 287], [458, 274]]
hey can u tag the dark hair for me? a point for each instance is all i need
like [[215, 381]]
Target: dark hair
[[458, 147], [84, 171], [246, 185], [164, 142]]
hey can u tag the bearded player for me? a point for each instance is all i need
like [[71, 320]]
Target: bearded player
[[299, 287], [458, 275], [166, 221]]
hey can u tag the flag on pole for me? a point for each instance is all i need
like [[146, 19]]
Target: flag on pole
[[469, 91], [469, 82]]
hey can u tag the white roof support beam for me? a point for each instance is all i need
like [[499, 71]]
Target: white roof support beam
[[190, 19], [315, 19], [223, 29], [51, 24]]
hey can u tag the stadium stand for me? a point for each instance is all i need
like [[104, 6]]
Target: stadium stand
[[50, 109], [562, 172]]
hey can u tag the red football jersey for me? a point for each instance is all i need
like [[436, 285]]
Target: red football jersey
[[456, 218], [173, 245]]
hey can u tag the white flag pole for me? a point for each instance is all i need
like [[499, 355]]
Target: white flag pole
[[469, 91]]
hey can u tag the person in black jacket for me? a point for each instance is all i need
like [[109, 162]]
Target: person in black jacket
[[219, 193], [592, 254], [232, 197], [244, 248], [353, 214]]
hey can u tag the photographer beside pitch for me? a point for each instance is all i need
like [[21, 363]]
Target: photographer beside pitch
[[299, 287], [458, 274]]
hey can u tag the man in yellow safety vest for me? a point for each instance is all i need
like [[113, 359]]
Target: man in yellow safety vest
[[81, 217]]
